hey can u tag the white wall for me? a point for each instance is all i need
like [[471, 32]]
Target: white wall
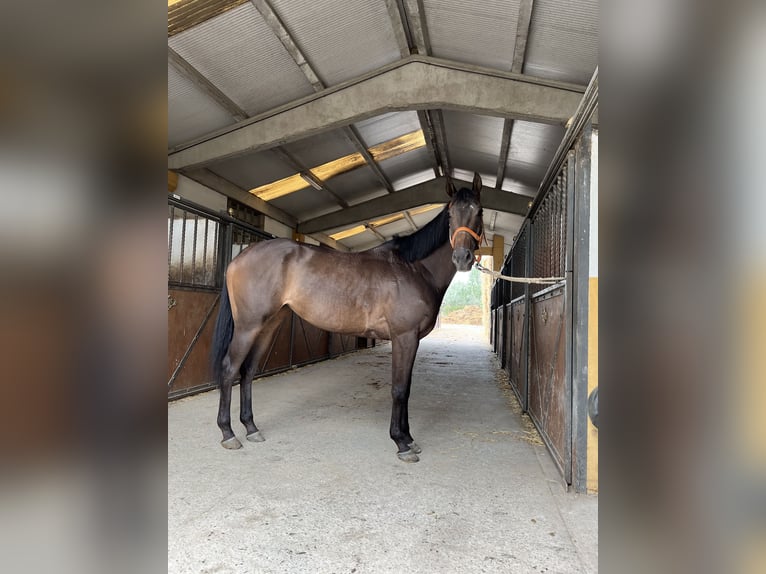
[[198, 193], [276, 228]]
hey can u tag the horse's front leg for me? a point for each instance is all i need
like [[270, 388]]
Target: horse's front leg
[[403, 350]]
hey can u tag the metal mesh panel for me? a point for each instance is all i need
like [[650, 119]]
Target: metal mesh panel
[[549, 233], [519, 263]]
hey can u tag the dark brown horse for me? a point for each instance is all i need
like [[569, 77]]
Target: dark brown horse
[[392, 292]]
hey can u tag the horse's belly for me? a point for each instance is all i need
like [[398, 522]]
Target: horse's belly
[[342, 318]]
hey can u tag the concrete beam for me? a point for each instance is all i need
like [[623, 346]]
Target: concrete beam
[[415, 82], [433, 191]]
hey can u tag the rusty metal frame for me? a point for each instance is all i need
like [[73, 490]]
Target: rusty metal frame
[[581, 158]]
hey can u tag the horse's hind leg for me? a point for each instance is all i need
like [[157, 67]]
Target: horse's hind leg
[[250, 367], [239, 348], [248, 370]]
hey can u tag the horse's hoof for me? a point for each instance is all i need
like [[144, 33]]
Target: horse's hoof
[[415, 448], [255, 437], [231, 443], [408, 456]]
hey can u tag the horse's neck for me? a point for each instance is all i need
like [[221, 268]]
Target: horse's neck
[[439, 265]]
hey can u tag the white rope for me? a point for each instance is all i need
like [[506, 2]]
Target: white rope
[[539, 280]]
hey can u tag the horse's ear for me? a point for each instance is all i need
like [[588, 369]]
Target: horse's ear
[[476, 183], [450, 187]]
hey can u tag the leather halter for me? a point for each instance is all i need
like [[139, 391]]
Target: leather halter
[[470, 232]]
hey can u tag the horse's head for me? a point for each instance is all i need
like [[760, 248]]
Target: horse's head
[[466, 226]]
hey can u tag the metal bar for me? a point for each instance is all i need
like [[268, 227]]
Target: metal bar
[[183, 245], [437, 119], [505, 147], [225, 252], [375, 231], [205, 248], [527, 327], [305, 172], [356, 139], [428, 132], [193, 342], [409, 219], [171, 229], [194, 251], [216, 244], [569, 461], [581, 281]]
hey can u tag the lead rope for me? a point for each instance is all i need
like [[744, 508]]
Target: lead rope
[[536, 280]]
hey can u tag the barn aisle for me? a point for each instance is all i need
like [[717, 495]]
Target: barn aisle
[[326, 492]]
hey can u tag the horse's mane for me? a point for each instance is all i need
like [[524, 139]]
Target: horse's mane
[[426, 240]]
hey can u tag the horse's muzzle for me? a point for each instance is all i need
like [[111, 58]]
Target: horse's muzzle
[[462, 258]]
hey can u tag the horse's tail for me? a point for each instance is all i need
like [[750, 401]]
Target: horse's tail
[[224, 331]]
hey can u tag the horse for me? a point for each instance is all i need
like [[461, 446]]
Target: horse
[[392, 291]]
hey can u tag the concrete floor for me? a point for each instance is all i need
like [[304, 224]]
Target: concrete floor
[[326, 492]]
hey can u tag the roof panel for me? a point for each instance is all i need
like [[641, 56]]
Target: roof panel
[[398, 227], [191, 113], [408, 169], [480, 33], [357, 186], [306, 203], [361, 241], [316, 150], [473, 142], [253, 170], [532, 148], [563, 40], [386, 127], [340, 40], [242, 57]]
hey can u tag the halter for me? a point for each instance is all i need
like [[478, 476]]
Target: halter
[[470, 232]]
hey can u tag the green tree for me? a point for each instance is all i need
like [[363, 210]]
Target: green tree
[[461, 294]]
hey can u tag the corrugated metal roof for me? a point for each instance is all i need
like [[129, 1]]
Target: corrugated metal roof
[[387, 127], [340, 40], [316, 150], [191, 113], [306, 203], [253, 170], [409, 169], [357, 186], [474, 142], [241, 56], [563, 40], [532, 148], [480, 33]]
